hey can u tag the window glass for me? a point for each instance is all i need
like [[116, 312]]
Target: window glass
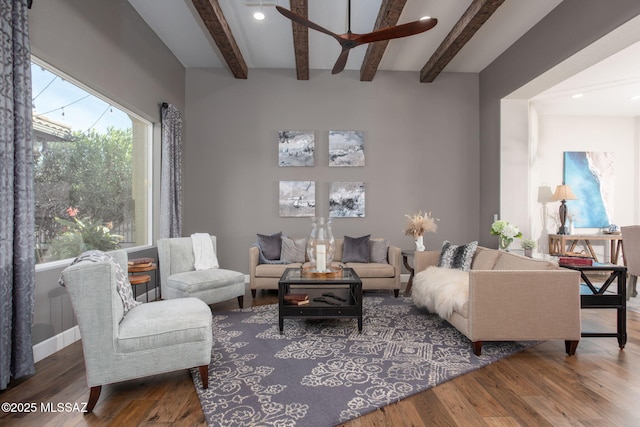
[[92, 164]]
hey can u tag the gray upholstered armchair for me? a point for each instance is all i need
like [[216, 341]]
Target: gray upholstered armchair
[[151, 338], [179, 278], [631, 254]]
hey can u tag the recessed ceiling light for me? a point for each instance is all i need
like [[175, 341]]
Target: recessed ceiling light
[[577, 95], [635, 98], [258, 16], [424, 18]]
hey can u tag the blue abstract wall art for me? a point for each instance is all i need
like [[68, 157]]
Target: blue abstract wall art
[[591, 177]]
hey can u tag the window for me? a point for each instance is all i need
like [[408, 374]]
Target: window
[[92, 169]]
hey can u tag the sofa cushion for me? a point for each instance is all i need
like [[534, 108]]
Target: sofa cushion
[[198, 280], [484, 258], [293, 250], [271, 246], [356, 249], [457, 257], [378, 250], [508, 261], [366, 270], [163, 324], [274, 270], [441, 290]]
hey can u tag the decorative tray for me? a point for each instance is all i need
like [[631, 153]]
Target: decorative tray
[[307, 272]]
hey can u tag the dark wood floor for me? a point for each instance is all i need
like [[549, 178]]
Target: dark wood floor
[[541, 386]]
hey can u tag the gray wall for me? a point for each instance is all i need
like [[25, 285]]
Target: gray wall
[[570, 27], [107, 46], [421, 152]]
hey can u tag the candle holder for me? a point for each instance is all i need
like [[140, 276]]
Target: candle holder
[[321, 246]]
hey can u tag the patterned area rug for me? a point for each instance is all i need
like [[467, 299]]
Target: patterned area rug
[[323, 372]]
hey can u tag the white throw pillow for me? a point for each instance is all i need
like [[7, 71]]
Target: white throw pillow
[[441, 290]]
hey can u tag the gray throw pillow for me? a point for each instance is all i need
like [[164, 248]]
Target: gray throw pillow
[[458, 257], [293, 250], [356, 249], [122, 281], [271, 246], [378, 251]]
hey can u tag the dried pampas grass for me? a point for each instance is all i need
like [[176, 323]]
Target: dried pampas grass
[[419, 224]]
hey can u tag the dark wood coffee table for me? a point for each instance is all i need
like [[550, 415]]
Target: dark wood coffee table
[[333, 296]]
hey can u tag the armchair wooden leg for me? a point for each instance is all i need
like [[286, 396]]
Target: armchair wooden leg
[[94, 394], [204, 375], [253, 293], [396, 292], [571, 346], [241, 301], [477, 347]]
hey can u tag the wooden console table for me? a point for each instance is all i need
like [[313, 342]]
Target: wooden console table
[[558, 244]]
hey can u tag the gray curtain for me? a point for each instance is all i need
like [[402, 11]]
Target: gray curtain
[[171, 173], [17, 246]]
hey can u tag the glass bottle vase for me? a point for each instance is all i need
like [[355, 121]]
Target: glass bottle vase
[[504, 243], [321, 245]]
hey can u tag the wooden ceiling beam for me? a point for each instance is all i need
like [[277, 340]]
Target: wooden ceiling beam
[[473, 18], [388, 16], [213, 18], [301, 39]]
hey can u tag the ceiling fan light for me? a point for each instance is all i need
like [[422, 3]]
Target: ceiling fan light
[[258, 16]]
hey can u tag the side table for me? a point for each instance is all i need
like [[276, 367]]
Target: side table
[[405, 260], [138, 279], [598, 298]]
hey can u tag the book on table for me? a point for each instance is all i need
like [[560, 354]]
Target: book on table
[[572, 260], [141, 261]]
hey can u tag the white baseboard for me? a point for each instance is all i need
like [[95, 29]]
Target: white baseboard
[[56, 343]]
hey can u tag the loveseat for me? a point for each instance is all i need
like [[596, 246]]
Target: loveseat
[[508, 297], [374, 275]]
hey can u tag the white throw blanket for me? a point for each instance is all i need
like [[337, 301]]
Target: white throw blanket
[[203, 252], [441, 290]]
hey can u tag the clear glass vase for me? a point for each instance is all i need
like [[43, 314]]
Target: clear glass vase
[[321, 245], [504, 243]]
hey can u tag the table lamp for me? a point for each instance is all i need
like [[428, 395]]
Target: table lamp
[[563, 193]]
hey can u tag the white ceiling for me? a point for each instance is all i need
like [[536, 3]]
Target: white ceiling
[[607, 89], [269, 43], [607, 86]]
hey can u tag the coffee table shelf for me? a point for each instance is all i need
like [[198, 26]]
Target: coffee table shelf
[[346, 286]]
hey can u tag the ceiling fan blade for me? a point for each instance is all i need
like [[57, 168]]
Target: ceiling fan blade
[[304, 21], [404, 30], [341, 61]]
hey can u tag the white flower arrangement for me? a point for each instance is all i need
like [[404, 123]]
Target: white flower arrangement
[[506, 231]]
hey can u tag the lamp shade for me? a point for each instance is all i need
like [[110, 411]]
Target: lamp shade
[[563, 192]]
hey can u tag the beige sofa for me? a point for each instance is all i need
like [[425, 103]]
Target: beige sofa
[[512, 297], [373, 275]]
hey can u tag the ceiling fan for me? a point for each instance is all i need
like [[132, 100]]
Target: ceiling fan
[[350, 40]]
